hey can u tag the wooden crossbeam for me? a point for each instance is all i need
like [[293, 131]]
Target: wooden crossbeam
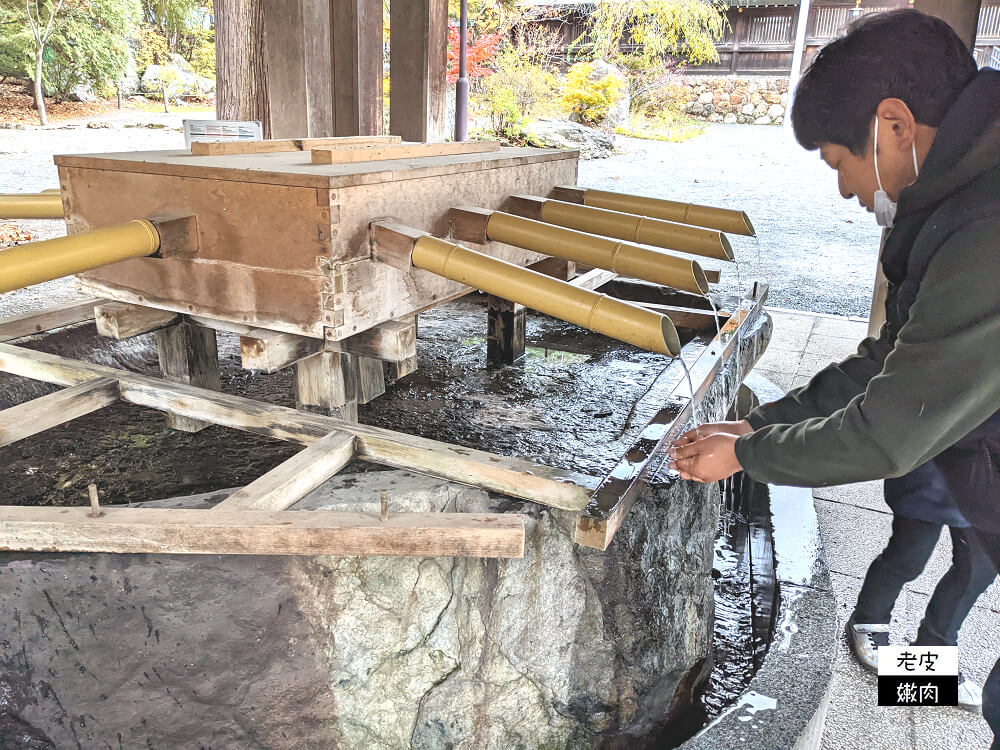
[[594, 278], [270, 351], [120, 320], [617, 492], [57, 316], [686, 317], [38, 415], [224, 148], [392, 341], [400, 151], [210, 532], [556, 488], [287, 483]]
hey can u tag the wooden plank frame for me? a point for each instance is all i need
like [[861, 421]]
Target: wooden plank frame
[[255, 520]]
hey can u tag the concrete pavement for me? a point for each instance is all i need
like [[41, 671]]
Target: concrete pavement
[[854, 524]]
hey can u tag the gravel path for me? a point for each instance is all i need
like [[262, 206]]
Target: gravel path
[[816, 250]]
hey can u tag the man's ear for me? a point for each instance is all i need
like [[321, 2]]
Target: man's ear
[[899, 120]]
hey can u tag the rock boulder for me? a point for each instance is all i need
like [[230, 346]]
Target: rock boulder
[[591, 142]]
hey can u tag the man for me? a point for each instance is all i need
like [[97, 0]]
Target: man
[[898, 109]]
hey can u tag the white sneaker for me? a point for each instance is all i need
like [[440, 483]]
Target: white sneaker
[[864, 640], [970, 695]]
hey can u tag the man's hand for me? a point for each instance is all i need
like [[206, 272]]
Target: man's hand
[[713, 428], [706, 460]]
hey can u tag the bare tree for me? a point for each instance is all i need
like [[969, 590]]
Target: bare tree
[[241, 65], [40, 31]]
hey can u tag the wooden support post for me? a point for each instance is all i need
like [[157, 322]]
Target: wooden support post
[[287, 483], [356, 55], [119, 320], [418, 61], [188, 354], [38, 415], [328, 383], [371, 379], [506, 331], [395, 371]]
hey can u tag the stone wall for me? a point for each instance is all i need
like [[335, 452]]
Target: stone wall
[[760, 101]]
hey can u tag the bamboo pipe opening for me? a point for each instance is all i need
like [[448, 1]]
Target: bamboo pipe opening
[[723, 219], [596, 312], [44, 205], [593, 250], [35, 262], [635, 228]]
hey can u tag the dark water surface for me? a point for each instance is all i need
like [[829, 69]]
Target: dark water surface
[[576, 402]]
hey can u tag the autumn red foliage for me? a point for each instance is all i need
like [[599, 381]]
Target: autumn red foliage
[[479, 52]]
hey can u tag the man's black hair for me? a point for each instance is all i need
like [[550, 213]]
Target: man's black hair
[[904, 54]]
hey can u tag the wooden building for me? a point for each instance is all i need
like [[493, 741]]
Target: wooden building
[[759, 36]]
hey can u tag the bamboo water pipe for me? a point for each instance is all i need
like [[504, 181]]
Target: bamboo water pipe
[[44, 205], [596, 312], [625, 226], [600, 252], [724, 219], [36, 262]]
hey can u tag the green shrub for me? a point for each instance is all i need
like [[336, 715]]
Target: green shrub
[[203, 60], [519, 83], [505, 116], [151, 49], [589, 100]]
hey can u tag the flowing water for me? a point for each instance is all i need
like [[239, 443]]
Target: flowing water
[[745, 598]]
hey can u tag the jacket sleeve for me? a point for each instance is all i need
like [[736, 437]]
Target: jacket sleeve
[[939, 382], [829, 389]]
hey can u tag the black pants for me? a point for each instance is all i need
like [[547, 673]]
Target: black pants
[[991, 690], [904, 558]]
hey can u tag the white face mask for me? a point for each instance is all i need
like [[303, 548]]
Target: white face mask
[[885, 209]]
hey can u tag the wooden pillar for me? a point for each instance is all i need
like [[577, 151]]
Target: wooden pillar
[[418, 64], [356, 56], [303, 68], [505, 331], [188, 354], [241, 62], [328, 383], [961, 15], [285, 35]]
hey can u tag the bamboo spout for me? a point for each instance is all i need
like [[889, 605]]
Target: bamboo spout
[[621, 257], [596, 312], [625, 226], [44, 205], [724, 219], [36, 262]]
